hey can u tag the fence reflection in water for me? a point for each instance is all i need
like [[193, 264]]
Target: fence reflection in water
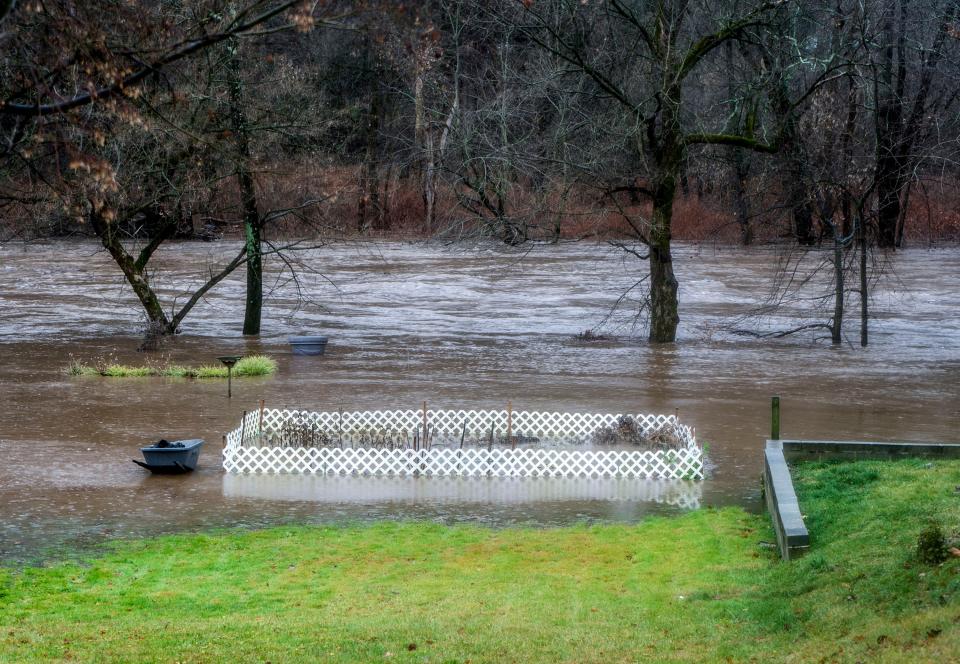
[[684, 494]]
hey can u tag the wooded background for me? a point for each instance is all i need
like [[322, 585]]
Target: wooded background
[[817, 123]]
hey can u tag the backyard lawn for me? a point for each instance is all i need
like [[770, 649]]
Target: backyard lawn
[[705, 586]]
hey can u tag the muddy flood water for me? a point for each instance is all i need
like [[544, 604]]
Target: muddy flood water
[[459, 327]]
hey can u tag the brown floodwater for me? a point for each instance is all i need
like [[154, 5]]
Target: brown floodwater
[[459, 327]]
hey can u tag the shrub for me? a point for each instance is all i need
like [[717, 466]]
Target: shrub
[[255, 365], [78, 368], [932, 545]]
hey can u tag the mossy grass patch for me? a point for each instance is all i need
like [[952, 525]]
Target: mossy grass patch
[[251, 365]]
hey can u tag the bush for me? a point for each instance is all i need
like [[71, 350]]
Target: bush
[[932, 545], [255, 365], [78, 368]]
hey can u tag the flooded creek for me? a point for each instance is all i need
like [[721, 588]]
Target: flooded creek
[[460, 328]]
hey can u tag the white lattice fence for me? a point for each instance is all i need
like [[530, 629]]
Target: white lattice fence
[[452, 423], [245, 452]]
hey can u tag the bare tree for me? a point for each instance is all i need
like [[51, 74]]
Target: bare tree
[[94, 150], [641, 56]]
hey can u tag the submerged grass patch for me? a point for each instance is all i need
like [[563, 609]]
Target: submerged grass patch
[[699, 587], [251, 365]]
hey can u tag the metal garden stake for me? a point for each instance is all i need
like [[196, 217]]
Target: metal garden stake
[[228, 362]]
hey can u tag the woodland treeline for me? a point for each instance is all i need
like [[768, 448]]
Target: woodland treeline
[[829, 124]]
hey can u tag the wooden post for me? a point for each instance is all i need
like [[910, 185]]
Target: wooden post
[[261, 421], [513, 443], [775, 418], [423, 438], [243, 429]]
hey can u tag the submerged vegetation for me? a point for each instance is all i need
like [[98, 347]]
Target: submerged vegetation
[[705, 586], [252, 365]]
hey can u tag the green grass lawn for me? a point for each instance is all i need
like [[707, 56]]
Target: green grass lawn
[[700, 587]]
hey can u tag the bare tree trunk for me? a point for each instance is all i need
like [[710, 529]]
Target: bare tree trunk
[[740, 202], [793, 167], [897, 131], [664, 306], [740, 167], [436, 147], [423, 146], [133, 270], [429, 184], [902, 221], [862, 241], [252, 223], [836, 327], [889, 186], [385, 216], [889, 126], [369, 200]]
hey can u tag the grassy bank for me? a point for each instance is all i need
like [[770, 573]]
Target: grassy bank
[[701, 587], [252, 365]]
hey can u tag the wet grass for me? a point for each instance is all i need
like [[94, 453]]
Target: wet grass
[[252, 365], [700, 587]]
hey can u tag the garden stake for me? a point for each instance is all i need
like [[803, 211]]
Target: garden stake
[[243, 429], [513, 443], [340, 428], [261, 422], [424, 422]]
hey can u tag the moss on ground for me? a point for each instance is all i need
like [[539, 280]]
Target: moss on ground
[[700, 587]]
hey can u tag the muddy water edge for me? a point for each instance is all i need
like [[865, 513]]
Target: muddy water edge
[[459, 327]]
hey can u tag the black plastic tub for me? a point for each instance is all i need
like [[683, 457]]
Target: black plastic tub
[[309, 345], [179, 456]]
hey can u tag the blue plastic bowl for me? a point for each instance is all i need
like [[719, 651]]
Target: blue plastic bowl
[[308, 345]]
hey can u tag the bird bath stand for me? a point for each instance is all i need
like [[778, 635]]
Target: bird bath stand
[[228, 362]]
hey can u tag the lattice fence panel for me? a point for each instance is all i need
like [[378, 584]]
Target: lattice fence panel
[[684, 463], [449, 424], [247, 451]]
